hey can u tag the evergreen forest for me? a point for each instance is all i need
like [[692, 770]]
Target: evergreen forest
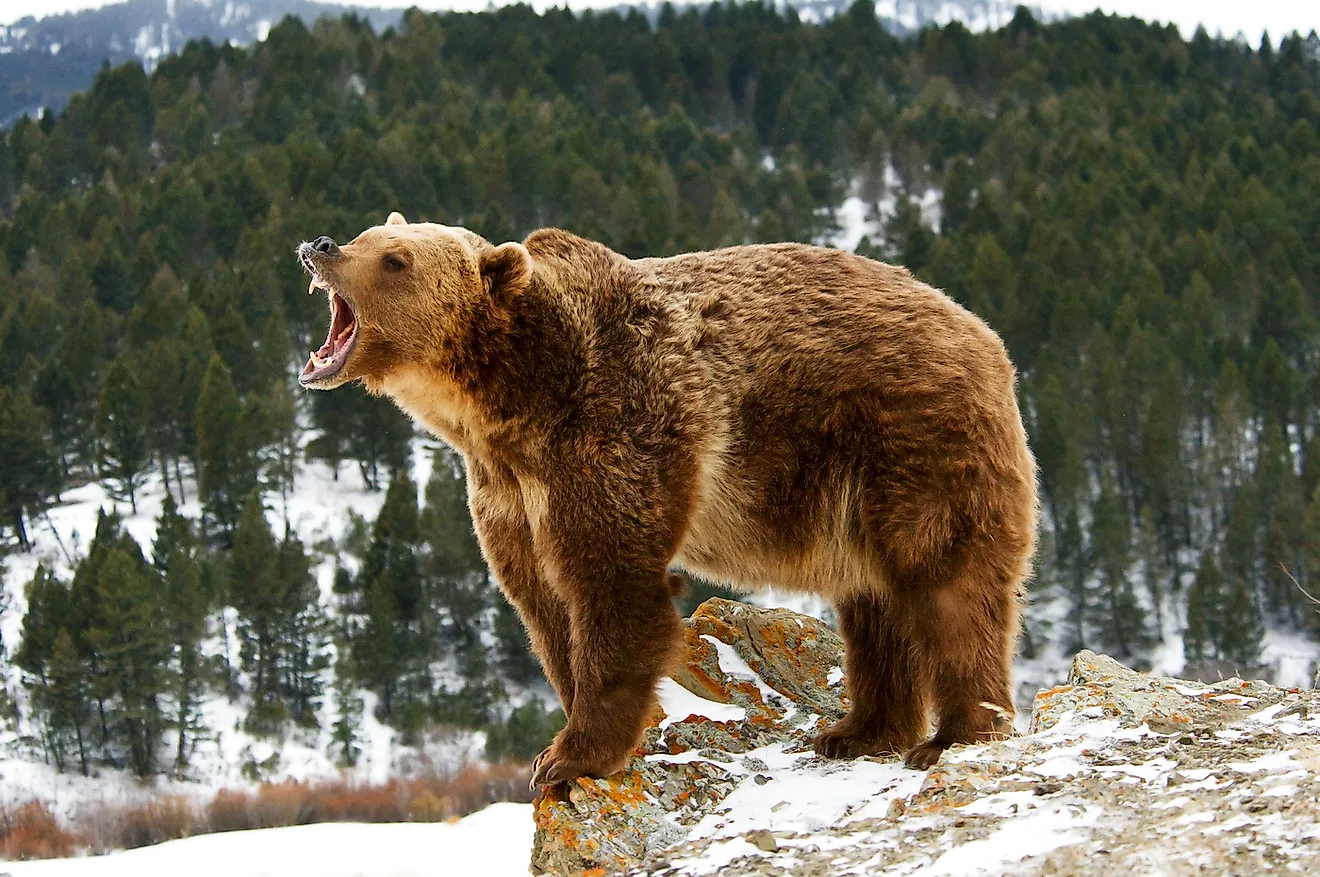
[[1136, 213]]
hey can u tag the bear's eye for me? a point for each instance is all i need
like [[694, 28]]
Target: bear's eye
[[394, 263]]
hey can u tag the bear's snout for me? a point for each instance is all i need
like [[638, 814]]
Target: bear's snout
[[325, 246]]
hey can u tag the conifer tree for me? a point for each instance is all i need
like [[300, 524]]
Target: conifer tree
[[131, 640], [1123, 624], [1242, 630], [275, 353], [280, 467], [53, 672], [302, 634], [1204, 610], [224, 456], [233, 344], [1154, 568], [332, 414], [186, 611], [389, 649], [122, 428], [346, 733], [30, 474], [67, 698], [258, 596], [379, 439], [464, 595], [173, 533]]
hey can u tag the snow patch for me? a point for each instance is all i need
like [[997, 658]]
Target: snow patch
[[496, 841], [679, 703]]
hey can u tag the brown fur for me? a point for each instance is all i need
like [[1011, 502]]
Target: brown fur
[[778, 415]]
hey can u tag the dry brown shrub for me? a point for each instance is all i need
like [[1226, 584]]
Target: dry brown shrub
[[228, 811], [156, 821], [31, 831]]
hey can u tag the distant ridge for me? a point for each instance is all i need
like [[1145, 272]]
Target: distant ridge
[[44, 61]]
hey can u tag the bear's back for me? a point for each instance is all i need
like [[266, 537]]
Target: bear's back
[[823, 317]]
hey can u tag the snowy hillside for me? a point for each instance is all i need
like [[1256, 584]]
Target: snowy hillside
[[317, 512]]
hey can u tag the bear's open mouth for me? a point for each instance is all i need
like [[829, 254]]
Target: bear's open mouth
[[339, 341]]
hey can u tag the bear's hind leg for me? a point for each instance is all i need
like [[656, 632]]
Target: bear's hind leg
[[970, 635], [885, 678]]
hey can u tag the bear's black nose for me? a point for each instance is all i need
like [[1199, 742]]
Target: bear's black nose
[[323, 244]]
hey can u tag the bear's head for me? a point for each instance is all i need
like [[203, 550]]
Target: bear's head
[[402, 294]]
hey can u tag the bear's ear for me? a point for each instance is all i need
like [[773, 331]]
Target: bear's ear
[[396, 218], [506, 270]]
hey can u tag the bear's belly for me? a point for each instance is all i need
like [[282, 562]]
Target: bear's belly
[[730, 542]]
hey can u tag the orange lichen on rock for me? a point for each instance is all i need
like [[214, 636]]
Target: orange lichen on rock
[[597, 826]]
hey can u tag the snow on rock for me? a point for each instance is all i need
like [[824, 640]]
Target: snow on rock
[[754, 683], [492, 842], [1121, 772]]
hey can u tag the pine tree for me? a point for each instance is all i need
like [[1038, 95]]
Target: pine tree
[[1123, 622], [377, 656], [226, 471], [173, 533], [333, 416], [52, 671], [275, 354], [30, 474], [389, 649], [233, 344], [67, 697], [186, 611], [302, 634], [194, 353], [1242, 631], [1309, 573], [281, 455], [346, 733], [132, 642], [463, 594], [1154, 568], [258, 596], [1204, 610], [513, 651], [122, 428], [380, 437]]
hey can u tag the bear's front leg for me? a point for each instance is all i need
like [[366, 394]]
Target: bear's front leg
[[609, 564], [505, 535]]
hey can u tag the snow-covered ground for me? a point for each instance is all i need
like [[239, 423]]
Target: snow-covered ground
[[494, 842]]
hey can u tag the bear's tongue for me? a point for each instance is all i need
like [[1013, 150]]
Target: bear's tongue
[[330, 358]]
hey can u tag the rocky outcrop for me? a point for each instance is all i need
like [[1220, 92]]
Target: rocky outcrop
[[752, 679], [1118, 771]]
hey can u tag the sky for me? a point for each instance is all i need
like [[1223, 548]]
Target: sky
[[1226, 17]]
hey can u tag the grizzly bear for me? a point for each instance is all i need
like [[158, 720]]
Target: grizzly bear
[[775, 415]]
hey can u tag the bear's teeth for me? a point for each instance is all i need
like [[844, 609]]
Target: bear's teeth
[[320, 363], [311, 287]]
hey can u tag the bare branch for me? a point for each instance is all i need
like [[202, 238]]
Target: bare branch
[[1305, 593]]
